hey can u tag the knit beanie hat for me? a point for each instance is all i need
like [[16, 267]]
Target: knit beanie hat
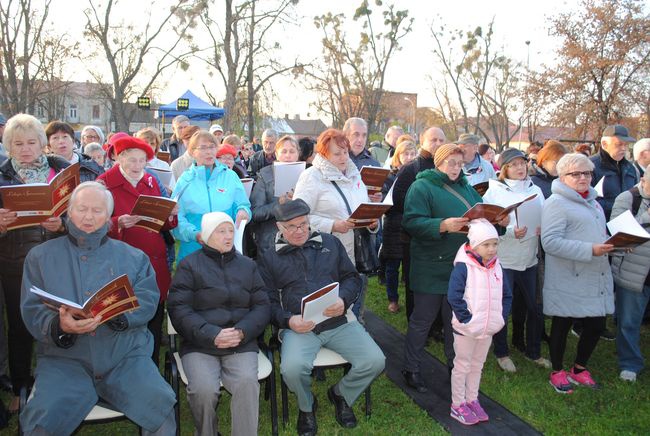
[[480, 230], [444, 151], [211, 221]]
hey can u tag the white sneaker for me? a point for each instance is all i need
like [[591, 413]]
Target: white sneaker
[[506, 364], [544, 363], [628, 376]]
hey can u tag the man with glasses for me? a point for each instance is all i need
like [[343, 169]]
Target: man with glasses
[[476, 169], [610, 163], [301, 263]]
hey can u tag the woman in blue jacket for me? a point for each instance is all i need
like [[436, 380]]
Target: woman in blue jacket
[[206, 186]]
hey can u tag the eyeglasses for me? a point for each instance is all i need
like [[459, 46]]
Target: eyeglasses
[[579, 174], [453, 163], [292, 228], [518, 164], [209, 148]]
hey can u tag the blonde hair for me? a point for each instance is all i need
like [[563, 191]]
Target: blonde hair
[[404, 142], [232, 140], [201, 135], [149, 134], [22, 124], [280, 142]]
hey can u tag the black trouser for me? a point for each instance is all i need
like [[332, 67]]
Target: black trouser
[[518, 316], [155, 327], [19, 340], [406, 266], [425, 309], [560, 326]]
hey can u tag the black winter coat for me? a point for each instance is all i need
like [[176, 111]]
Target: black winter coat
[[15, 244], [89, 170], [212, 291], [291, 272], [392, 245]]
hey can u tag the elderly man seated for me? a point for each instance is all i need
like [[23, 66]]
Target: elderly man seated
[[301, 263], [81, 360]]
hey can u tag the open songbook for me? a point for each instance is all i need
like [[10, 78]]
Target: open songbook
[[113, 299], [374, 177], [492, 212], [153, 211], [367, 213], [626, 231], [313, 305], [36, 202]]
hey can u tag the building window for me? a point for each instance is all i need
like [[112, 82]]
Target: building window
[[40, 111], [73, 112], [96, 112]]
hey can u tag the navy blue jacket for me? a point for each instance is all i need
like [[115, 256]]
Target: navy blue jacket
[[619, 176], [364, 159]]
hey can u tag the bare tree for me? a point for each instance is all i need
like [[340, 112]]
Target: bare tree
[[136, 58], [21, 29], [349, 81], [243, 56]]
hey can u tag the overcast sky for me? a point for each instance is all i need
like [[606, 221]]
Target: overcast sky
[[515, 23]]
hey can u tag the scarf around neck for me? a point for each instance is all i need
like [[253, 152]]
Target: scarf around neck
[[33, 172]]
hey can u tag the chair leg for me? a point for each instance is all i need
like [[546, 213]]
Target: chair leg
[[285, 402], [368, 403], [270, 383]]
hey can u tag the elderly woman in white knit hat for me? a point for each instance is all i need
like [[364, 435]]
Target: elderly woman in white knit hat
[[218, 305]]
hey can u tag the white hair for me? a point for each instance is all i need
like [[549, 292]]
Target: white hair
[[269, 133], [572, 160], [98, 187], [93, 147], [97, 130], [640, 146], [23, 124], [354, 120]]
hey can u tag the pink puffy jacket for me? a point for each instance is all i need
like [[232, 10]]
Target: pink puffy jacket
[[483, 295]]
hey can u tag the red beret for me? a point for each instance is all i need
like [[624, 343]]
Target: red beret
[[227, 149], [128, 142]]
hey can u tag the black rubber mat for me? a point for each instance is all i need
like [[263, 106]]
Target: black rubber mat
[[437, 400]]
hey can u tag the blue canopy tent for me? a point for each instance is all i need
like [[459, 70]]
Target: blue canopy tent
[[198, 109]]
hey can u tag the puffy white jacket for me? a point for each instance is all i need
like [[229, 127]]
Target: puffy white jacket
[[483, 296], [316, 189], [515, 254]]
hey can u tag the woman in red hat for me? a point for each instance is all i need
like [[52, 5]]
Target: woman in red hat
[[127, 180]]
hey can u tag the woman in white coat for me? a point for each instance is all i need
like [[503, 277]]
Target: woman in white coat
[[328, 184], [518, 253]]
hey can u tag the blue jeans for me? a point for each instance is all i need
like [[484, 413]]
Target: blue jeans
[[527, 282], [630, 306], [392, 279]]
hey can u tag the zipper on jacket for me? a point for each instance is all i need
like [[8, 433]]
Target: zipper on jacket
[[207, 188], [487, 318]]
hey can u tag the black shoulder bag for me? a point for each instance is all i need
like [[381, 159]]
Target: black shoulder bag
[[365, 255]]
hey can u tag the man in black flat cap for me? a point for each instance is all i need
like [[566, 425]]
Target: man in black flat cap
[[301, 263], [610, 163]]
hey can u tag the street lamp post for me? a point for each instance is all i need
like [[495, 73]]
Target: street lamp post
[[414, 119]]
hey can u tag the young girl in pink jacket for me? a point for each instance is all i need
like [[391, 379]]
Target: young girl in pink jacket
[[480, 303]]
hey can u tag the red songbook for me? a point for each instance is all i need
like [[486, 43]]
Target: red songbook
[[164, 156], [113, 299], [153, 211], [374, 177], [36, 202], [367, 213], [492, 212]]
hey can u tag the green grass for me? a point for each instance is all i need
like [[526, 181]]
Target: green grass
[[618, 408]]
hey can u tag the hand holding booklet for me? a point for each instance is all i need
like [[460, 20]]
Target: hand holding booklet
[[285, 176], [368, 213], [113, 299], [492, 212], [374, 177], [36, 202], [153, 211], [314, 304], [626, 231]]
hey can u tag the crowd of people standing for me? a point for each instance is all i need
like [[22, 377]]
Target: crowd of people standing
[[469, 276]]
